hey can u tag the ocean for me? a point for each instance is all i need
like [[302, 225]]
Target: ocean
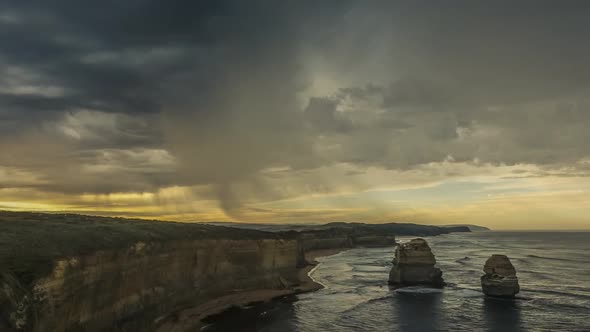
[[553, 270]]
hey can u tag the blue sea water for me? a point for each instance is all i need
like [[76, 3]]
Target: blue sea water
[[553, 269]]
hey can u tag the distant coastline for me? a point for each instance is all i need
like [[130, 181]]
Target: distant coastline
[[473, 228]]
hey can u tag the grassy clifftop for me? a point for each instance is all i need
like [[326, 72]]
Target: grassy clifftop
[[30, 242]]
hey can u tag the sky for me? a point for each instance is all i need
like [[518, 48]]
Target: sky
[[298, 111]]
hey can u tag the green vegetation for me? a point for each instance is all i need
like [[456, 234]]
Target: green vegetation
[[30, 242]]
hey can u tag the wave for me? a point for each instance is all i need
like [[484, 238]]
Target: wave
[[538, 276], [552, 258], [552, 303], [464, 261], [370, 269], [555, 292], [354, 307], [387, 297], [468, 293], [419, 290]]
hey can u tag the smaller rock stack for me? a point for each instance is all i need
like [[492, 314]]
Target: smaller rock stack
[[500, 278], [414, 265]]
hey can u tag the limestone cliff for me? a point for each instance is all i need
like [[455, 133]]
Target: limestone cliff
[[414, 265], [133, 288], [82, 273], [500, 278], [344, 237]]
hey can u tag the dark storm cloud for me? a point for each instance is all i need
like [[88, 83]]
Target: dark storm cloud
[[401, 128], [322, 115], [221, 75], [490, 52], [466, 81], [161, 93], [113, 56]]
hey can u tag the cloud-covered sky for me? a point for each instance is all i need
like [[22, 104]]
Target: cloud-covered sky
[[304, 111]]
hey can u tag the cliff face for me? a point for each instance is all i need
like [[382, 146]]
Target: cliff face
[[343, 238], [324, 240], [135, 287], [70, 273]]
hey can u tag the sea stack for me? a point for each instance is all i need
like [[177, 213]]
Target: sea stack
[[414, 265], [500, 278]]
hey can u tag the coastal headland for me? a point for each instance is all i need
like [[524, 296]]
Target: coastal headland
[[67, 272]]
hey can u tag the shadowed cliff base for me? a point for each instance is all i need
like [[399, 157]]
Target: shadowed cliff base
[[215, 310], [72, 272]]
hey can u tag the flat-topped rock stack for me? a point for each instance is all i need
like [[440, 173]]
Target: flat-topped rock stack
[[500, 278], [414, 265]]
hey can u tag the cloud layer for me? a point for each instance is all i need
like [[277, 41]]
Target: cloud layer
[[239, 104]]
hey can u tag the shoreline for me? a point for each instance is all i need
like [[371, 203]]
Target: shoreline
[[312, 255], [193, 318]]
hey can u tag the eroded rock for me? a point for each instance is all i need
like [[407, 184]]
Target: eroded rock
[[15, 305], [414, 265], [500, 278]]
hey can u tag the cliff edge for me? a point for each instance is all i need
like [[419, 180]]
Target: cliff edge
[[67, 272], [80, 273]]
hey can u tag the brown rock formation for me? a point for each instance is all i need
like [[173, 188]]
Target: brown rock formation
[[85, 273], [138, 287], [500, 278], [414, 265]]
